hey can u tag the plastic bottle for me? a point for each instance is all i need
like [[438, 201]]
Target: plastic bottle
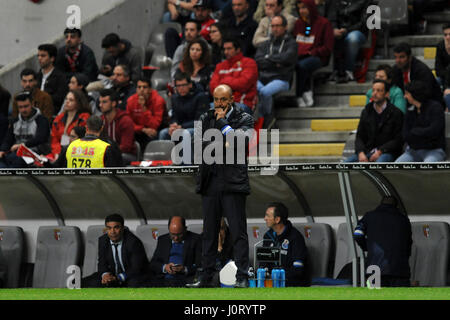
[[282, 279], [275, 276], [261, 274]]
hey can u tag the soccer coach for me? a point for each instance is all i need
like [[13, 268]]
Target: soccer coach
[[224, 187]]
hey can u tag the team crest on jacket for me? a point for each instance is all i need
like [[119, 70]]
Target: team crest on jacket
[[285, 244], [1, 235], [307, 232], [155, 233], [57, 234], [256, 232], [426, 230]]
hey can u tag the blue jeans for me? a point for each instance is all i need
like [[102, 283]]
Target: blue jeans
[[164, 133], [11, 160], [422, 155], [266, 92], [346, 50], [385, 157], [305, 67]]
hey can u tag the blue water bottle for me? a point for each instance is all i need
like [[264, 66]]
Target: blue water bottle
[[275, 276], [261, 274], [282, 279]]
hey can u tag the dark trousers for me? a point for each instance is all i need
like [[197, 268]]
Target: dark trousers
[[231, 206], [171, 41], [95, 281], [11, 160], [392, 281]]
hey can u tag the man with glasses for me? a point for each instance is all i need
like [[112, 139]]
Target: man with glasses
[[276, 59], [272, 8], [177, 255]]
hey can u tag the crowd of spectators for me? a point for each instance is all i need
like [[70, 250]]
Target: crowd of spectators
[[255, 47]]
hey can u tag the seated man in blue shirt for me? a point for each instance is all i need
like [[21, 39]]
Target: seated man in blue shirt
[[294, 254], [177, 255]]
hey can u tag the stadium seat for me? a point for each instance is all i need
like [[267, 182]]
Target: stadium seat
[[160, 79], [167, 99], [158, 150], [91, 249], [349, 148], [319, 240], [197, 228], [57, 248], [13, 248], [343, 250], [255, 232], [149, 233], [157, 36], [429, 253], [393, 12]]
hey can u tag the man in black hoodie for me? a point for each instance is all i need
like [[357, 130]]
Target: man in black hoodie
[[120, 51], [188, 104], [31, 128]]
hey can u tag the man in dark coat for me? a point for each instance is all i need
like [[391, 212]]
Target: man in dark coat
[[379, 134], [385, 233], [122, 261], [293, 251], [177, 255], [224, 184]]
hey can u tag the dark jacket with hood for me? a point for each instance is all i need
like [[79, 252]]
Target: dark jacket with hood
[[187, 109], [294, 254], [442, 64], [348, 14], [321, 39], [86, 63], [276, 58], [130, 57], [121, 130], [224, 177], [33, 132]]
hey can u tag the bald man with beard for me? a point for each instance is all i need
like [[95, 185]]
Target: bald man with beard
[[224, 187], [177, 255]]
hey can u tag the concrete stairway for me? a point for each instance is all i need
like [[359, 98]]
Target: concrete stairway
[[318, 134]]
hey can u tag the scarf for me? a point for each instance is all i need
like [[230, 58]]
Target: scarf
[[73, 59]]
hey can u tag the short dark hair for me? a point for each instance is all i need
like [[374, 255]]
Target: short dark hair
[[80, 131], [110, 40], [403, 47], [183, 221], [280, 210], [446, 26], [386, 68], [180, 75], [115, 217], [94, 123], [280, 3], [284, 21], [49, 48], [72, 30], [418, 89], [236, 43], [109, 93], [389, 200], [146, 80], [386, 84], [27, 72], [24, 95], [125, 68], [197, 24]]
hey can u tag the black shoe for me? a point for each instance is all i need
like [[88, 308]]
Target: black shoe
[[342, 79], [202, 283], [269, 121], [242, 283]]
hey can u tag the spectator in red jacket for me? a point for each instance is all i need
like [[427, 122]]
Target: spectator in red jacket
[[118, 125], [238, 72], [76, 112], [315, 40], [147, 109]]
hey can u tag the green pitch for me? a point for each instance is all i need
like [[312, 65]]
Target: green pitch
[[314, 293]]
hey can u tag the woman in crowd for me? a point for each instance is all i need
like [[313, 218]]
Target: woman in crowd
[[76, 112], [79, 81], [197, 63], [216, 34]]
